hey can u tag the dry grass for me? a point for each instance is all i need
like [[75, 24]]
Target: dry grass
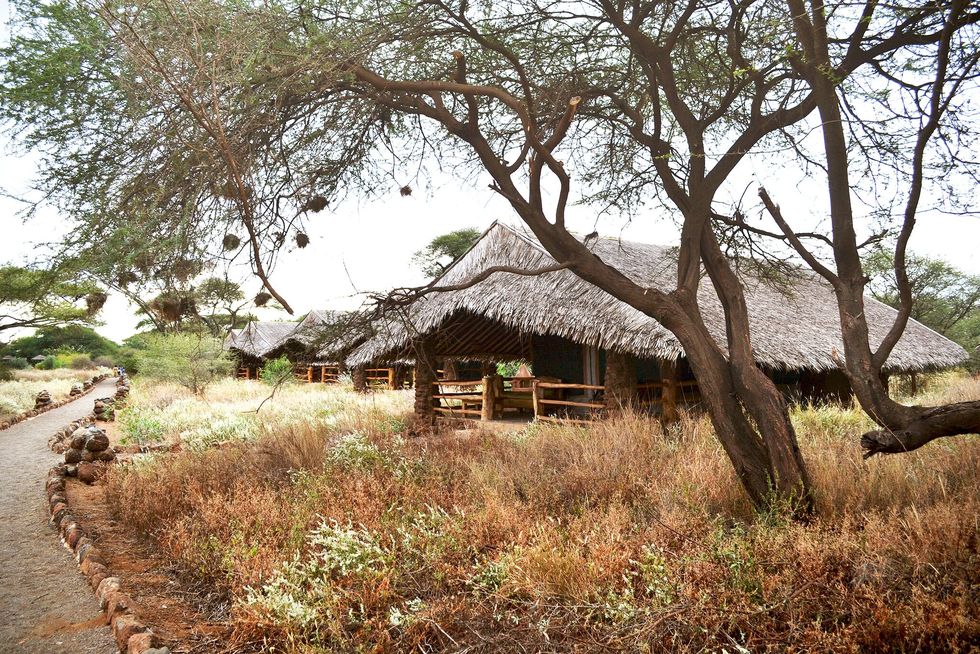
[[17, 395], [620, 537]]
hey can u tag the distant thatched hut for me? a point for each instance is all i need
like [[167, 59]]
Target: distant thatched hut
[[253, 344], [608, 352], [316, 345]]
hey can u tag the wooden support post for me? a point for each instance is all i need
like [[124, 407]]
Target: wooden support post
[[309, 374], [425, 378], [359, 378], [668, 399], [489, 398], [534, 397], [620, 381], [392, 381], [323, 374]]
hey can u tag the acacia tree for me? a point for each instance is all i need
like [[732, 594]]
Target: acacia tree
[[256, 116], [444, 249], [33, 297]]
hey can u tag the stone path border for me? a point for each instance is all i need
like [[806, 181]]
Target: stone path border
[[132, 636], [20, 417]]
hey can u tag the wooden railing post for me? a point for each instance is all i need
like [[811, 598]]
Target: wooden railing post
[[534, 396], [391, 379], [309, 374]]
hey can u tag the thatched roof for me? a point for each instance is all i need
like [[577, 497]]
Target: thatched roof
[[794, 325], [259, 338], [327, 335]]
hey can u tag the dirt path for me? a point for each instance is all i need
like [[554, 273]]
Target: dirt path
[[45, 604]]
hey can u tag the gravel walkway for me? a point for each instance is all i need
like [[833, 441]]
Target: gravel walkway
[[45, 604]]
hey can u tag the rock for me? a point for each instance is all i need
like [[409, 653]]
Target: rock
[[86, 385], [91, 567], [117, 602], [73, 535], [140, 643], [107, 456], [125, 626], [71, 471], [88, 456], [73, 455], [90, 473], [97, 441], [76, 389], [78, 438], [106, 586]]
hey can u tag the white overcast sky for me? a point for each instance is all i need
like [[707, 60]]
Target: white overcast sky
[[368, 246]]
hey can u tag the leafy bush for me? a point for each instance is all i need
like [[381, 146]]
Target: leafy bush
[[81, 362], [17, 363], [277, 371], [302, 591], [49, 363], [193, 361], [142, 424]]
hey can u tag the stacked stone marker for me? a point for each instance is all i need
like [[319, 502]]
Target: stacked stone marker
[[42, 401], [88, 454]]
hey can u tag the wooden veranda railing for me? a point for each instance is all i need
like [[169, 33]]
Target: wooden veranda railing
[[551, 400], [247, 373], [459, 403], [540, 392]]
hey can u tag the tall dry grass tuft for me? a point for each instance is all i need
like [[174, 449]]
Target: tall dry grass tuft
[[339, 535]]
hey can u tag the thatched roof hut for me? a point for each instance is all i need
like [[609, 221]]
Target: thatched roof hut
[[259, 338], [794, 323], [324, 337]]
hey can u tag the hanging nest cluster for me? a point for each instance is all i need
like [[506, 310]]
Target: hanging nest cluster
[[302, 240], [262, 299], [144, 262], [230, 191], [405, 191], [183, 268], [316, 204], [94, 301], [230, 242], [172, 307], [126, 277]]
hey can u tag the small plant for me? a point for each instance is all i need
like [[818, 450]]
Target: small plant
[[223, 430], [277, 372], [354, 450], [303, 590]]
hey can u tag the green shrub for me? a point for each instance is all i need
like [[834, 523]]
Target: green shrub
[[49, 363], [6, 374], [191, 360], [277, 371], [18, 363], [81, 362]]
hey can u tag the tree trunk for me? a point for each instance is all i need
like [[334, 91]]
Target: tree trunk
[[620, 381], [425, 377], [358, 376]]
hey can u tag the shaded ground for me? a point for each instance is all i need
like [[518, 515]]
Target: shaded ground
[[45, 604]]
